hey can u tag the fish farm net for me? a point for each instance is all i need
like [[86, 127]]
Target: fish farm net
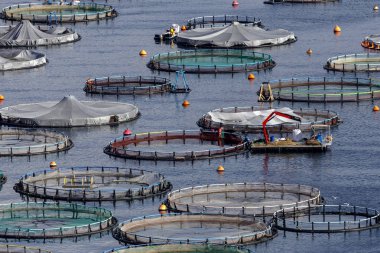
[[298, 1], [50, 220], [189, 228], [326, 218], [57, 12], [92, 184], [260, 199], [211, 61], [321, 89], [21, 59], [10, 248], [179, 145], [20, 142], [182, 247], [249, 119], [127, 85], [354, 63], [221, 20]]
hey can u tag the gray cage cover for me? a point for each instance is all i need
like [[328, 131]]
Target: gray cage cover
[[69, 112], [20, 59], [235, 35], [25, 34]]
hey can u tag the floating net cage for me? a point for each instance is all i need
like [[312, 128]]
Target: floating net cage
[[298, 1], [250, 119], [127, 85], [321, 89], [69, 112], [21, 59], [50, 220], [181, 247], [23, 142], [234, 35], [354, 63], [58, 12], [27, 35], [260, 199], [10, 248], [189, 228], [221, 20], [326, 219], [211, 61], [371, 42], [92, 184], [175, 145]]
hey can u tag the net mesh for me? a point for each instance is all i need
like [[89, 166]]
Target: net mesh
[[354, 63], [92, 184], [184, 247], [200, 228], [221, 20], [10, 248]]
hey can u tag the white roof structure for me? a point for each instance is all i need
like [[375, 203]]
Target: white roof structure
[[25, 35], [234, 35], [69, 112], [20, 59]]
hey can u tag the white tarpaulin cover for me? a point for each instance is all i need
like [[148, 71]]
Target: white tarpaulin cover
[[69, 112], [375, 38], [25, 34], [254, 118], [234, 35], [20, 59]]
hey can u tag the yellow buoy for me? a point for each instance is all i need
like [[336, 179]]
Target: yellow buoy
[[185, 103], [2, 97], [183, 28], [220, 168], [143, 53], [53, 164], [251, 76], [309, 51], [376, 108], [376, 7], [337, 29], [163, 208]]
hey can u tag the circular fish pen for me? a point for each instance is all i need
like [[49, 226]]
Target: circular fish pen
[[323, 89], [22, 142], [211, 61], [48, 220], [175, 145], [326, 219], [92, 184], [190, 228], [222, 20], [250, 119], [58, 12], [298, 1], [371, 42], [127, 85], [354, 63], [10, 248], [21, 59], [182, 247], [260, 199]]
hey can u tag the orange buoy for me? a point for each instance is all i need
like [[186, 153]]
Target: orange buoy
[[235, 3], [220, 168], [163, 208], [143, 53], [376, 108], [53, 165], [2, 97], [185, 103], [337, 29], [127, 132], [183, 28], [251, 76], [309, 51]]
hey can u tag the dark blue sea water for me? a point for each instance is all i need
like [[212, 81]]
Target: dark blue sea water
[[349, 173]]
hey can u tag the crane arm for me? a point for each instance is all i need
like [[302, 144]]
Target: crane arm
[[271, 116]]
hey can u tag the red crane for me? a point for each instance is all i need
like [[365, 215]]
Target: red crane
[[271, 116]]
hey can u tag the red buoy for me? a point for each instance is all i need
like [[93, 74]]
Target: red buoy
[[235, 3], [127, 132]]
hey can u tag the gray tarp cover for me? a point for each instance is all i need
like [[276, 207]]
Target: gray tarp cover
[[232, 35], [25, 34], [20, 59], [68, 112], [253, 118]]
